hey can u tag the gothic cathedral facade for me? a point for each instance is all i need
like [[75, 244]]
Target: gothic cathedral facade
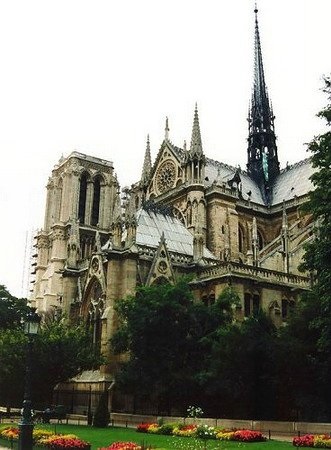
[[188, 214]]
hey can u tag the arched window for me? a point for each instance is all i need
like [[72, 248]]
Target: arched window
[[240, 239], [251, 304], [96, 202], [189, 214], [287, 307], [59, 200], [247, 304], [259, 239], [82, 198], [93, 308]]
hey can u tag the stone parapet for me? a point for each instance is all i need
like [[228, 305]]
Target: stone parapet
[[223, 269]]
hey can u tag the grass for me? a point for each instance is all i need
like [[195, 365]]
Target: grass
[[102, 437]]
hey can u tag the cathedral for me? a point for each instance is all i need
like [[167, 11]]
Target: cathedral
[[187, 215]]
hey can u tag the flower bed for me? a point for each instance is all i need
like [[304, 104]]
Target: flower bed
[[310, 440], [202, 432], [122, 446], [48, 439], [9, 433], [248, 436], [184, 430]]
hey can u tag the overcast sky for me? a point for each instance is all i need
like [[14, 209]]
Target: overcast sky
[[98, 76]]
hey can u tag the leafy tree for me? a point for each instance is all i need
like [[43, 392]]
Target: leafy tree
[[239, 380], [60, 351], [12, 309], [308, 335], [317, 259], [12, 367], [168, 337], [298, 368], [101, 416]]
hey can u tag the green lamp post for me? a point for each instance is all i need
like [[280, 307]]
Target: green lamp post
[[31, 327]]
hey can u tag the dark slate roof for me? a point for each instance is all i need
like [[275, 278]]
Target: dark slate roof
[[151, 225], [227, 172], [293, 181]]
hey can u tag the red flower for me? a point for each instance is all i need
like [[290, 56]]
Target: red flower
[[68, 443], [248, 436], [143, 427], [123, 446], [304, 441]]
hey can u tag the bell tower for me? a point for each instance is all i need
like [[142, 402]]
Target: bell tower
[[81, 197]]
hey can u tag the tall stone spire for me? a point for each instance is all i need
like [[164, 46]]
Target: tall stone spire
[[196, 143], [166, 130], [263, 165], [147, 164], [195, 160]]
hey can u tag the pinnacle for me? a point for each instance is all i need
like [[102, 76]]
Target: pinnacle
[[147, 163], [196, 143]]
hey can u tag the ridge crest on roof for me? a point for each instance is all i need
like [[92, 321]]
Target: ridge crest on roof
[[227, 166], [295, 165], [158, 208]]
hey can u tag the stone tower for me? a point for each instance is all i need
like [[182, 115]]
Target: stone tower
[[81, 194]]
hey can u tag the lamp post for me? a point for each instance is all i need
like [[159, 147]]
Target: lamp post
[[31, 326]]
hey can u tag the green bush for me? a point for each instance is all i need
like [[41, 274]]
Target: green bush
[[101, 416], [167, 428]]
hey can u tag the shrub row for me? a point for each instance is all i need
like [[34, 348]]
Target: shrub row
[[202, 432], [310, 440], [48, 439]]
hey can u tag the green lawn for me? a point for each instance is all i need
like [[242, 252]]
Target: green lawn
[[101, 437]]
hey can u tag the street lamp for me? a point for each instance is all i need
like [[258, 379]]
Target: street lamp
[[31, 326]]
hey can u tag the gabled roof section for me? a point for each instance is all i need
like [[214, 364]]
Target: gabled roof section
[[151, 225], [167, 145], [293, 181], [220, 172], [161, 267]]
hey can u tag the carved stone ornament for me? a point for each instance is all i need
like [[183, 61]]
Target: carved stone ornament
[[162, 267], [95, 264], [166, 176]]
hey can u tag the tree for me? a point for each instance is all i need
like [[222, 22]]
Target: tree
[[60, 351], [317, 258], [239, 380], [12, 309], [101, 416], [298, 367], [168, 337], [12, 366], [310, 331]]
